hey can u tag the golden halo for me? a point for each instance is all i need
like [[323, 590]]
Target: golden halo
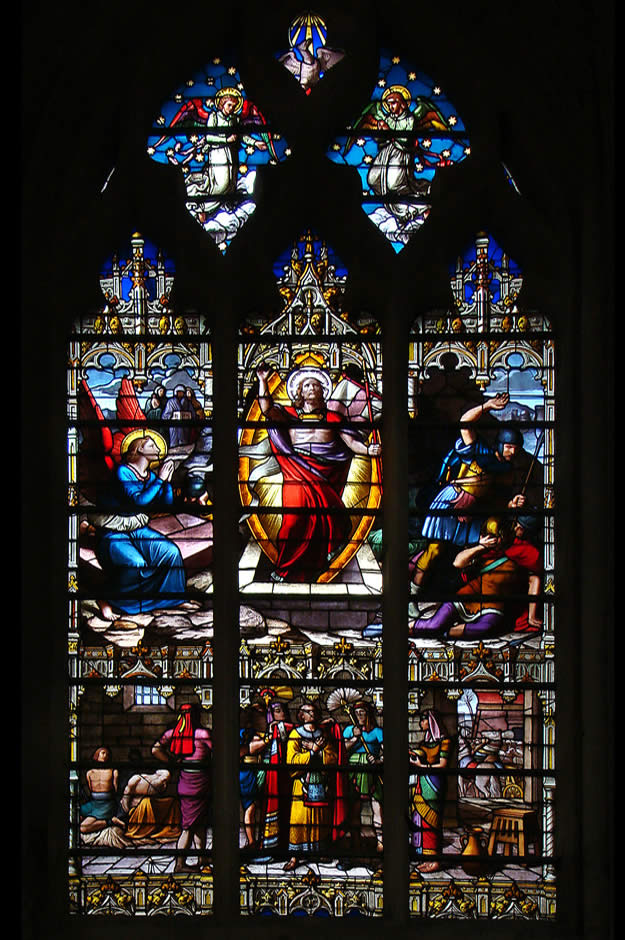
[[158, 439], [231, 93], [397, 90]]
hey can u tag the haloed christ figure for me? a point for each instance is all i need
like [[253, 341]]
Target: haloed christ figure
[[313, 449]]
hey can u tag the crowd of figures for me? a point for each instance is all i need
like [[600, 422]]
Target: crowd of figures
[[304, 783], [138, 808], [182, 408], [303, 787]]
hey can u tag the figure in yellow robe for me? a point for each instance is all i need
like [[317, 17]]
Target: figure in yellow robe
[[150, 815], [319, 796]]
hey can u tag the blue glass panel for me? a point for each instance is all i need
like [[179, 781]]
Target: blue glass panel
[[408, 130], [308, 57], [211, 130]]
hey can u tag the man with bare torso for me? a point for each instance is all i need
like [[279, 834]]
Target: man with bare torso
[[101, 810], [141, 785]]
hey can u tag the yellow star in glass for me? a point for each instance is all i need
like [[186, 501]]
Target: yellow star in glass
[[395, 60], [452, 119], [436, 90]]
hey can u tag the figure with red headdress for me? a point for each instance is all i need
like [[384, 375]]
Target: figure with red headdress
[[189, 745]]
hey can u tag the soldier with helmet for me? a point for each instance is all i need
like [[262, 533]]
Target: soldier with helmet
[[475, 480]]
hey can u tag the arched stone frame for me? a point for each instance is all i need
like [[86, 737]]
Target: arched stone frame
[[572, 286]]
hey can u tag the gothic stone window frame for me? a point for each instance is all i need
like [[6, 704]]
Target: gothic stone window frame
[[568, 292]]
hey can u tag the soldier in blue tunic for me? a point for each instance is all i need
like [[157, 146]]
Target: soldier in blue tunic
[[475, 481]]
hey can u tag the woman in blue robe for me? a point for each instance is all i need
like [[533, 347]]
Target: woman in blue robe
[[144, 568]]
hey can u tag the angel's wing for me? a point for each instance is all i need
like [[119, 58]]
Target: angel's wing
[[192, 109], [367, 120], [130, 415], [427, 117], [191, 112], [251, 114], [95, 457]]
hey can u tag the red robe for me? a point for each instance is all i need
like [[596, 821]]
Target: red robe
[[312, 486], [278, 792]]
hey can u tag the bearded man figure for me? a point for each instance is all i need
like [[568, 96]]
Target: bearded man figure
[[314, 451], [319, 803]]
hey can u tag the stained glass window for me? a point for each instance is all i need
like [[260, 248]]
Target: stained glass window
[[140, 585], [310, 581], [211, 130], [481, 611], [407, 131], [431, 790], [309, 56]]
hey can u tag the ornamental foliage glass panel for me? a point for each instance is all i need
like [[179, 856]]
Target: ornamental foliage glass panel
[[482, 594], [211, 130], [310, 482], [140, 597], [407, 131]]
